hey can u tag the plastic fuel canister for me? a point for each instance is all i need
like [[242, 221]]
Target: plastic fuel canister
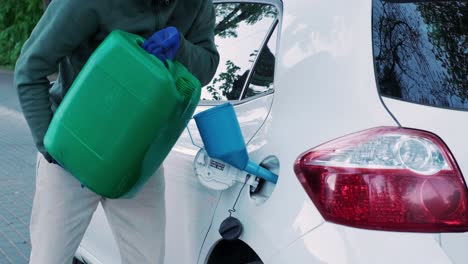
[[122, 115]]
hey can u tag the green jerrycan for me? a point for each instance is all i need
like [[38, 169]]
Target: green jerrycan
[[162, 145], [121, 116]]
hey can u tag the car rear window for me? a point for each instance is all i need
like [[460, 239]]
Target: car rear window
[[421, 51]]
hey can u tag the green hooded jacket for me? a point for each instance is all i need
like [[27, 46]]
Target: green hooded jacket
[[70, 30]]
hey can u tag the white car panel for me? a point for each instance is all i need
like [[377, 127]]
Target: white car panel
[[448, 125], [336, 244], [455, 246], [84, 256], [313, 101], [189, 208], [189, 205], [98, 241]]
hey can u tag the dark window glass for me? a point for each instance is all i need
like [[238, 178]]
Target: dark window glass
[[241, 29], [421, 51], [262, 78]]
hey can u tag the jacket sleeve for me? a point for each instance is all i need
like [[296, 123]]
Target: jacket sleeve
[[197, 49], [62, 28]]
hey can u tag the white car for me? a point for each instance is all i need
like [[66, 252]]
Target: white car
[[359, 107]]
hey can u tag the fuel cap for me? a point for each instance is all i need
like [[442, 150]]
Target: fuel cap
[[230, 229]]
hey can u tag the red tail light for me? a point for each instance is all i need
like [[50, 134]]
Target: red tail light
[[386, 178]]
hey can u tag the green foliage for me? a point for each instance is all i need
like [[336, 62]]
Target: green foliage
[[448, 31], [226, 79], [420, 51], [17, 20]]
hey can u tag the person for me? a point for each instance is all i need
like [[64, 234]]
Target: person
[[64, 38]]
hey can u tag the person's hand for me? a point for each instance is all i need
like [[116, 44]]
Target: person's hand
[[163, 44]]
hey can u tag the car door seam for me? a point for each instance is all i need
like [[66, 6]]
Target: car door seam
[[209, 227]]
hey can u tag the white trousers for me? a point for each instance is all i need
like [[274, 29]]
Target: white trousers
[[62, 211]]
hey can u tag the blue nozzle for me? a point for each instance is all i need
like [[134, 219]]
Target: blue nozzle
[[257, 170]]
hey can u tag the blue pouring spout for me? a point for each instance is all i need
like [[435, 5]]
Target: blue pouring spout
[[223, 140], [257, 170]]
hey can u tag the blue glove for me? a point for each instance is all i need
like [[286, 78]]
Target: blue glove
[[163, 44]]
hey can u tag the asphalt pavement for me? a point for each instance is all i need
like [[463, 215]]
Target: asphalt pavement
[[17, 175]]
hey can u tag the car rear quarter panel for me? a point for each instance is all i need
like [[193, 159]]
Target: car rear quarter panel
[[324, 88]]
